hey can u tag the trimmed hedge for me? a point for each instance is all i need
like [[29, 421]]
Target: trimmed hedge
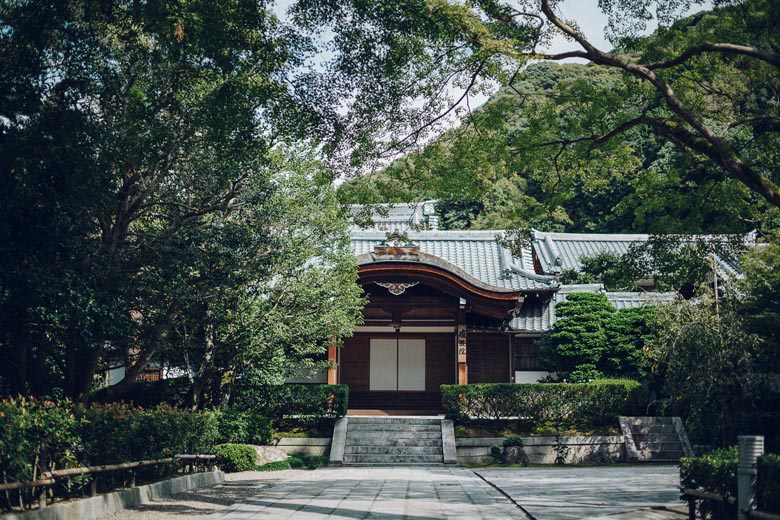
[[715, 472], [297, 405], [564, 405], [768, 483], [40, 435], [242, 427], [235, 457]]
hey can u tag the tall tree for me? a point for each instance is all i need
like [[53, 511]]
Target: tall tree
[[130, 133], [706, 85]]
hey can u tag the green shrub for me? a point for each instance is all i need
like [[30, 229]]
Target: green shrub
[[140, 434], [768, 483], [295, 461], [243, 427], [35, 436], [495, 453], [235, 457], [314, 461], [312, 406], [715, 472], [275, 466], [513, 440], [562, 405]]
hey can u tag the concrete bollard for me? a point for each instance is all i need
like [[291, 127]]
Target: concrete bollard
[[750, 448]]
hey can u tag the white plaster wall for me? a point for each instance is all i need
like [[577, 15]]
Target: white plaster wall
[[526, 376]]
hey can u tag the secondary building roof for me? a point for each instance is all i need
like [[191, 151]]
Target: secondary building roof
[[538, 317], [393, 217], [558, 252]]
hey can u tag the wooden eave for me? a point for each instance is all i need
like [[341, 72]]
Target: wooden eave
[[483, 299]]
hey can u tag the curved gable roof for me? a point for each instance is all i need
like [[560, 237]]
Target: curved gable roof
[[475, 256]]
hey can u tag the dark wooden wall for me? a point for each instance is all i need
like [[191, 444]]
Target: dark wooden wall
[[488, 357]]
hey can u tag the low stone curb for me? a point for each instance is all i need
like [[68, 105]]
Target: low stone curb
[[102, 505]]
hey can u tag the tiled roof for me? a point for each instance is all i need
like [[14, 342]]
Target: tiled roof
[[629, 300], [394, 217], [538, 317], [558, 252], [477, 253]]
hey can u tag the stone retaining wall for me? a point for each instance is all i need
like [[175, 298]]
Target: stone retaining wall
[[102, 505], [305, 446], [541, 450]]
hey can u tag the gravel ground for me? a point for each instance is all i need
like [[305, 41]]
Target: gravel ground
[[204, 501]]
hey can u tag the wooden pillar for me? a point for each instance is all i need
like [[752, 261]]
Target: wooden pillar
[[462, 345], [332, 364]]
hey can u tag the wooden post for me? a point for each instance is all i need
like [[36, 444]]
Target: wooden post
[[462, 346], [93, 486], [332, 364]]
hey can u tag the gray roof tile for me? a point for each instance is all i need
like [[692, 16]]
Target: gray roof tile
[[558, 252], [539, 317], [477, 253]]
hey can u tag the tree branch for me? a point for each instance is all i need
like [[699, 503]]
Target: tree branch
[[724, 48], [717, 149]]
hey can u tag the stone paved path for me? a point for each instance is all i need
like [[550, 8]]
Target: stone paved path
[[614, 492], [378, 493], [604, 493]]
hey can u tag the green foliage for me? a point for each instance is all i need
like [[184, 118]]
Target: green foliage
[[236, 457], [38, 436], [768, 483], [706, 366], [608, 145], [311, 406], [606, 268], [760, 303], [682, 262], [243, 427], [560, 405], [715, 472], [307, 461], [141, 434], [513, 440], [34, 437], [495, 453], [275, 466], [151, 206], [591, 339]]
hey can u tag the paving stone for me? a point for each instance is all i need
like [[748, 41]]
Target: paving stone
[[378, 494]]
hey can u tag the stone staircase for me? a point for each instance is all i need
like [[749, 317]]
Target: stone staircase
[[393, 441], [655, 439]]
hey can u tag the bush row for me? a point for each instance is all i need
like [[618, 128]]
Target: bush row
[[562, 405], [36, 435], [297, 405], [716, 472]]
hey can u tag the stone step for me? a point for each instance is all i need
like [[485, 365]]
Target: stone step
[[393, 441], [640, 421], [659, 456], [653, 428], [390, 420], [659, 447], [353, 435], [656, 437], [373, 459], [382, 427], [393, 450]]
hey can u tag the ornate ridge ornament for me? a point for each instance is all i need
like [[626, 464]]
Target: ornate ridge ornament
[[396, 288]]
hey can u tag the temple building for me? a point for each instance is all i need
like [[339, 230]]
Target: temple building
[[449, 307]]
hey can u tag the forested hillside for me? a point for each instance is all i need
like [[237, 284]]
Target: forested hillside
[[545, 151]]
